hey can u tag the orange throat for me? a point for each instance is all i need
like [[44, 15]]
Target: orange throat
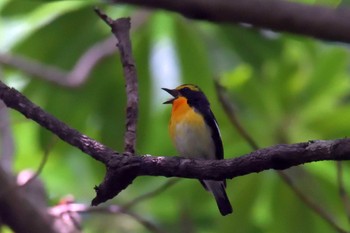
[[179, 109], [180, 106]]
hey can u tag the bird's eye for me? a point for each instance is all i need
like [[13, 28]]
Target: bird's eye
[[185, 91]]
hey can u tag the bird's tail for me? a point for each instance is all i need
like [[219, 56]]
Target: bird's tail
[[217, 188]]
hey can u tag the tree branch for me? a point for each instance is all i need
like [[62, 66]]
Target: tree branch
[[13, 99], [342, 191], [120, 28], [82, 68], [150, 194], [276, 157], [72, 79], [121, 179], [320, 210], [231, 113], [228, 107], [316, 21], [61, 210]]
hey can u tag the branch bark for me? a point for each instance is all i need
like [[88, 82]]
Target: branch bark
[[120, 29], [123, 178], [311, 203], [13, 99], [316, 21], [276, 157]]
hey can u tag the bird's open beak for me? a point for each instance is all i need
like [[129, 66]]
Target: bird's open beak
[[172, 92]]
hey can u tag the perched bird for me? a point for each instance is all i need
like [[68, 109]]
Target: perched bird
[[195, 132]]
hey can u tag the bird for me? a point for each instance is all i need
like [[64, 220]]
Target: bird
[[195, 132]]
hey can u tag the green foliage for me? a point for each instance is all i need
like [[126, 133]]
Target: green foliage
[[285, 89]]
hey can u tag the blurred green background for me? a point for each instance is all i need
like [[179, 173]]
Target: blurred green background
[[285, 89]]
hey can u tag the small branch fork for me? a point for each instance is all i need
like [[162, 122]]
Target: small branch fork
[[230, 112], [276, 157], [120, 180]]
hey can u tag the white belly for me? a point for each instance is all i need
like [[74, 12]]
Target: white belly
[[192, 141]]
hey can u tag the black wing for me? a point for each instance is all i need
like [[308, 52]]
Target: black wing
[[200, 103], [215, 132]]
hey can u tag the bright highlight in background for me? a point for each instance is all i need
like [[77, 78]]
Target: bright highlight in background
[[164, 69]]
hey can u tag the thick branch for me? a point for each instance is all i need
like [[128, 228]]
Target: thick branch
[[316, 21], [13, 99], [276, 157]]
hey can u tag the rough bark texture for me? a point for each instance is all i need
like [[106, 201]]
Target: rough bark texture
[[311, 20], [13, 99], [115, 182], [275, 157]]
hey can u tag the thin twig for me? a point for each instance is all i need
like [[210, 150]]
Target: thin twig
[[342, 191], [227, 105], [230, 112], [312, 204], [62, 209], [72, 79], [104, 17], [150, 194], [26, 177], [116, 209], [82, 68], [42, 162]]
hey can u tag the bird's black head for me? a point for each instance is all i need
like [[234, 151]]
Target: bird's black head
[[192, 93]]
